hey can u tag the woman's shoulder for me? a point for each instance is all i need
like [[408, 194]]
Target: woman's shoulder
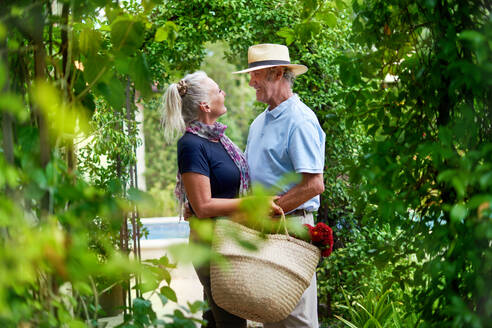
[[188, 138], [190, 141]]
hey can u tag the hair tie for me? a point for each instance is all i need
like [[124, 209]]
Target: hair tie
[[182, 88]]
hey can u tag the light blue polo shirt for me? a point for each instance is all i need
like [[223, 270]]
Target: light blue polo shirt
[[284, 140]]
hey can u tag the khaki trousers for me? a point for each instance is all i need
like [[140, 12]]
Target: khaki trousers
[[305, 314]]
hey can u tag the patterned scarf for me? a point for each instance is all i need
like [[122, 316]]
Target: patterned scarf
[[216, 133]]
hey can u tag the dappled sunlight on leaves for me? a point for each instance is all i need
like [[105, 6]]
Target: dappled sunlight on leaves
[[64, 120]]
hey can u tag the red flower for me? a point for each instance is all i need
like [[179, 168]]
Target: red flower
[[326, 252], [321, 236]]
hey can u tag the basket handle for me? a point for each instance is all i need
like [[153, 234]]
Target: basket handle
[[283, 222]]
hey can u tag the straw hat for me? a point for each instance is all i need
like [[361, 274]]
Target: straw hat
[[270, 55]]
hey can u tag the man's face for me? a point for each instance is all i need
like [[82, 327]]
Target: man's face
[[259, 80]]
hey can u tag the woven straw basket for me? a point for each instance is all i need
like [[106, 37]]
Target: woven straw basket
[[263, 285]]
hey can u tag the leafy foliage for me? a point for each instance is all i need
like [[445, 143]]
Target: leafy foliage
[[68, 75], [420, 170]]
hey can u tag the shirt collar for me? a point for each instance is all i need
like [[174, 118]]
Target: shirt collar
[[277, 111]]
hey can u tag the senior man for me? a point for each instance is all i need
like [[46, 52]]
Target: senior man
[[286, 138]]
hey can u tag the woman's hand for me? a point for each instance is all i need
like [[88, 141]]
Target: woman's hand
[[187, 211]]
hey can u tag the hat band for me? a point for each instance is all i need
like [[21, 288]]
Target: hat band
[[268, 62]]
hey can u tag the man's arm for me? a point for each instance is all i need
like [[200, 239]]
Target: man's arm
[[310, 186]]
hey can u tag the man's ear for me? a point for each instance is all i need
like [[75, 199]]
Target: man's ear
[[279, 72], [204, 107]]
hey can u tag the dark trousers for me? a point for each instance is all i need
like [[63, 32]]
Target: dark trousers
[[216, 316]]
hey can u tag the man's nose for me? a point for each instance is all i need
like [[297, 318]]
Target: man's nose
[[251, 82]]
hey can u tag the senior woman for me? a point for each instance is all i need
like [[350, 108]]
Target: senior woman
[[212, 170]]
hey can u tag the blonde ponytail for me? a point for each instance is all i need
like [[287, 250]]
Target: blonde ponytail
[[171, 117], [178, 110]]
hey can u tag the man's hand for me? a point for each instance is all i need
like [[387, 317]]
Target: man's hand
[[275, 210]]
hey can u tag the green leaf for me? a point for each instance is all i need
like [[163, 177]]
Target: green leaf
[[348, 323], [340, 4], [192, 252], [64, 118], [479, 199], [330, 19], [12, 103], [306, 31], [445, 135], [83, 288], [127, 35], [88, 99], [163, 260], [476, 38], [166, 275], [197, 306], [122, 64], [486, 180], [248, 245], [458, 212], [3, 32], [113, 92], [148, 5], [96, 69], [204, 228], [160, 34], [446, 175], [141, 306], [169, 293], [413, 8], [168, 33], [90, 41], [163, 299], [308, 7], [76, 324], [140, 74], [3, 74], [459, 185], [288, 34]]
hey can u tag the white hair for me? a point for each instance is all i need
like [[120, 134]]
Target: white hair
[[287, 74], [177, 111]]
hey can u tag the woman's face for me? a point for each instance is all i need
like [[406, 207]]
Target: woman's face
[[216, 99]]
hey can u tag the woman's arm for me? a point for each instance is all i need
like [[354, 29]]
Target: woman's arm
[[199, 195]]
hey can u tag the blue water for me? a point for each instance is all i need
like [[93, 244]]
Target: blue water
[[167, 230]]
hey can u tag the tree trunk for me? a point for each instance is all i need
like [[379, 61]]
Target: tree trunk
[[444, 107], [7, 120], [67, 77], [40, 75]]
